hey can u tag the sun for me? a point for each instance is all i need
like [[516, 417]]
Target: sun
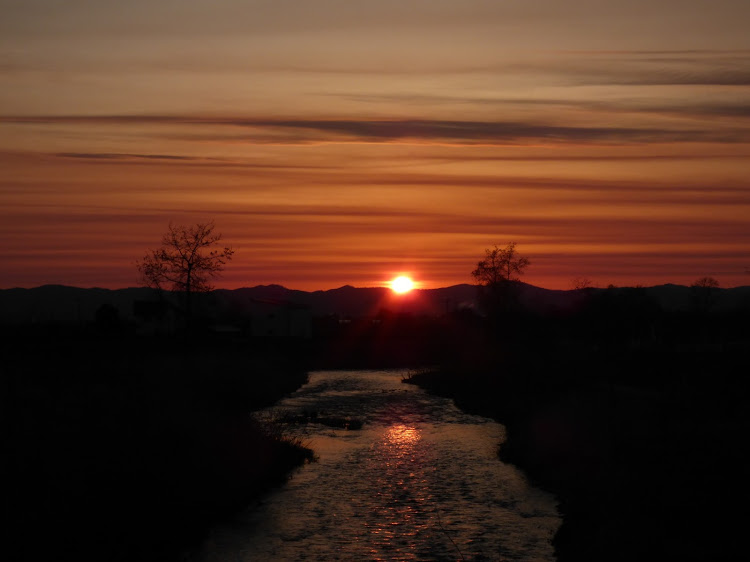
[[402, 284]]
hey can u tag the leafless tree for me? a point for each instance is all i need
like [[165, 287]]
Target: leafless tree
[[185, 262], [582, 284], [498, 275], [500, 265], [704, 293], [706, 283]]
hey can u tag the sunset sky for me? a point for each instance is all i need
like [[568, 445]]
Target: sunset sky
[[343, 142]]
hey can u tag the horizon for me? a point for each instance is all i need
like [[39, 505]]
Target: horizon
[[348, 143], [382, 287]]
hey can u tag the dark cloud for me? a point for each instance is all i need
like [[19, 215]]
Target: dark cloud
[[288, 131], [679, 188], [674, 77], [122, 156], [583, 157], [574, 227], [491, 132], [717, 108], [187, 160], [645, 68], [741, 110]]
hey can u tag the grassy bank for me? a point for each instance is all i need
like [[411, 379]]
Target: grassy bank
[[644, 449], [130, 449]]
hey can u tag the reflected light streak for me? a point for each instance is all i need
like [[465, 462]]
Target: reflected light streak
[[402, 436], [403, 490]]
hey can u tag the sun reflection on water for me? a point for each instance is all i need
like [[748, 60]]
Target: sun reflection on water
[[401, 436], [401, 492], [420, 481]]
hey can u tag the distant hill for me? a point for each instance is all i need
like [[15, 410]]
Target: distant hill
[[354, 302], [73, 305], [59, 304]]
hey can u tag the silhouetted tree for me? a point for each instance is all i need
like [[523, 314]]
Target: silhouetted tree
[[704, 293], [706, 283], [498, 275], [185, 262], [581, 284], [500, 265]]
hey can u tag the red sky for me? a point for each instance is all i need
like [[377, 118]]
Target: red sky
[[342, 142]]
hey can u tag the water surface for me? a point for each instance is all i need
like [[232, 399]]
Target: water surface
[[420, 481]]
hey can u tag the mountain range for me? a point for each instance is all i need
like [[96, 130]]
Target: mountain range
[[64, 304]]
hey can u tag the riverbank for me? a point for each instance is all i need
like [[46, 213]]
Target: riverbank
[[644, 449], [131, 449], [417, 481]]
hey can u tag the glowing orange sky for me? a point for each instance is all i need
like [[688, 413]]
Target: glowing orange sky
[[352, 142]]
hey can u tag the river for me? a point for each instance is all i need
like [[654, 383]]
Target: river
[[420, 480]]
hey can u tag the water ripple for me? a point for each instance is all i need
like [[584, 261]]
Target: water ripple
[[420, 481]]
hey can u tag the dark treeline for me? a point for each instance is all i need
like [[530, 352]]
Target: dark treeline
[[124, 446], [127, 448], [386, 340], [634, 416]]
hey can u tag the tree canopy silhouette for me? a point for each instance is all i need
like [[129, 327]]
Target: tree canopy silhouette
[[498, 275], [704, 293], [500, 265], [186, 261], [706, 283]]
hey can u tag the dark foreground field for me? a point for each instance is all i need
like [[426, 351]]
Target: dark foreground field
[[637, 418], [130, 449], [646, 450]]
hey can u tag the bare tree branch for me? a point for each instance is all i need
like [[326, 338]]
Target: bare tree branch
[[499, 265], [184, 262]]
